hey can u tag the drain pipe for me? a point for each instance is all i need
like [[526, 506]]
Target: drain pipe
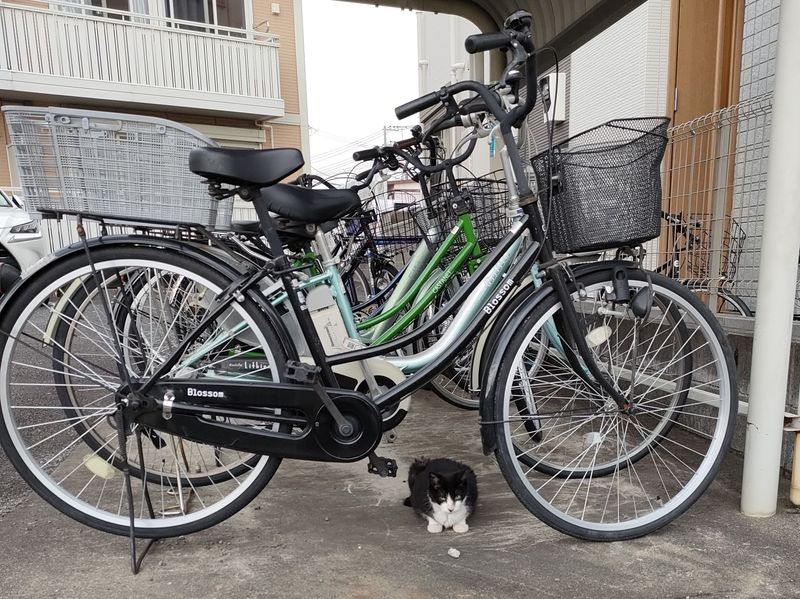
[[772, 336], [791, 424]]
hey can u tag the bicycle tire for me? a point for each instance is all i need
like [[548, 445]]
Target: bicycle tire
[[20, 318], [736, 303], [555, 500], [454, 382]]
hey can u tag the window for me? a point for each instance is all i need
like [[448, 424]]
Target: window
[[113, 5], [225, 13], [124, 5], [234, 14]]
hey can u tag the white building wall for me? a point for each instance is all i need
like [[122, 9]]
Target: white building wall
[[623, 71], [443, 60], [620, 73], [440, 50]]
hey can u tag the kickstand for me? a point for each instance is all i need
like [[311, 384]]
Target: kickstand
[[136, 561]]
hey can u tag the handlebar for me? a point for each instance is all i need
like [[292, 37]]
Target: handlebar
[[420, 104], [456, 121], [382, 157], [387, 157], [481, 42], [368, 154], [516, 38], [308, 180], [377, 151]]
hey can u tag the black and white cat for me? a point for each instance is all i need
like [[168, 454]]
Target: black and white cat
[[444, 492]]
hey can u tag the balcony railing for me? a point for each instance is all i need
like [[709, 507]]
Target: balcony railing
[[72, 50]]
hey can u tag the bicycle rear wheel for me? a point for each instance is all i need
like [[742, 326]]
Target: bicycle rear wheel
[[60, 377], [454, 383], [77, 312], [590, 470], [730, 303]]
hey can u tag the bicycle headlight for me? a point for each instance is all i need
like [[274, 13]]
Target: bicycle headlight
[[32, 226]]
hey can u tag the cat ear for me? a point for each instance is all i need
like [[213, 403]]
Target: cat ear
[[434, 479]]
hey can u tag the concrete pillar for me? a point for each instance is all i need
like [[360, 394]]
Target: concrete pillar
[[777, 279]]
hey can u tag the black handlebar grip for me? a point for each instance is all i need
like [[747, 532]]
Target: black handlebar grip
[[417, 105], [362, 175], [368, 154], [481, 42]]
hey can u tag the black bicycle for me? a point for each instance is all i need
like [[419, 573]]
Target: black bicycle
[[608, 392]]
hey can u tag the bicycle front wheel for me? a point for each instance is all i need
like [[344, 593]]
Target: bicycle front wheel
[[60, 361], [576, 460]]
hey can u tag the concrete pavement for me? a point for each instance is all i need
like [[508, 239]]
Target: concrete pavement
[[322, 530]]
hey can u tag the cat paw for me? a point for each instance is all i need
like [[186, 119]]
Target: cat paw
[[461, 527], [434, 527]]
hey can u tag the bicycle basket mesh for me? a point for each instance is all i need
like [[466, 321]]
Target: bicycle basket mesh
[[486, 199], [699, 256], [606, 185], [400, 220], [111, 165]]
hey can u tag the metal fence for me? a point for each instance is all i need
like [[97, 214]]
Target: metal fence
[[714, 186]]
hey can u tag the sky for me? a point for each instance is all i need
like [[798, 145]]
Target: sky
[[361, 62]]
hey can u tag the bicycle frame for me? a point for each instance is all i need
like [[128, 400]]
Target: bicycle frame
[[483, 293], [474, 295], [406, 293], [420, 270]]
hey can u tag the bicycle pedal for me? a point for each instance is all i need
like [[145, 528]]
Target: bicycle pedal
[[383, 467], [302, 373]]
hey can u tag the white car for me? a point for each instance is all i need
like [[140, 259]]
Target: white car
[[21, 241]]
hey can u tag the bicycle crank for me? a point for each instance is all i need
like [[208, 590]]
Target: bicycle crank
[[366, 423]]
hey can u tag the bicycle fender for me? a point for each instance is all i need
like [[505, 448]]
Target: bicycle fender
[[509, 322], [497, 342], [483, 346]]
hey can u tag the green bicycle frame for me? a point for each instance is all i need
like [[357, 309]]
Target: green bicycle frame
[[407, 295], [419, 271]]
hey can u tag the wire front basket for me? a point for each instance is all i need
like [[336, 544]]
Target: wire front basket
[[112, 165], [606, 185], [399, 220], [486, 199], [699, 254]]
